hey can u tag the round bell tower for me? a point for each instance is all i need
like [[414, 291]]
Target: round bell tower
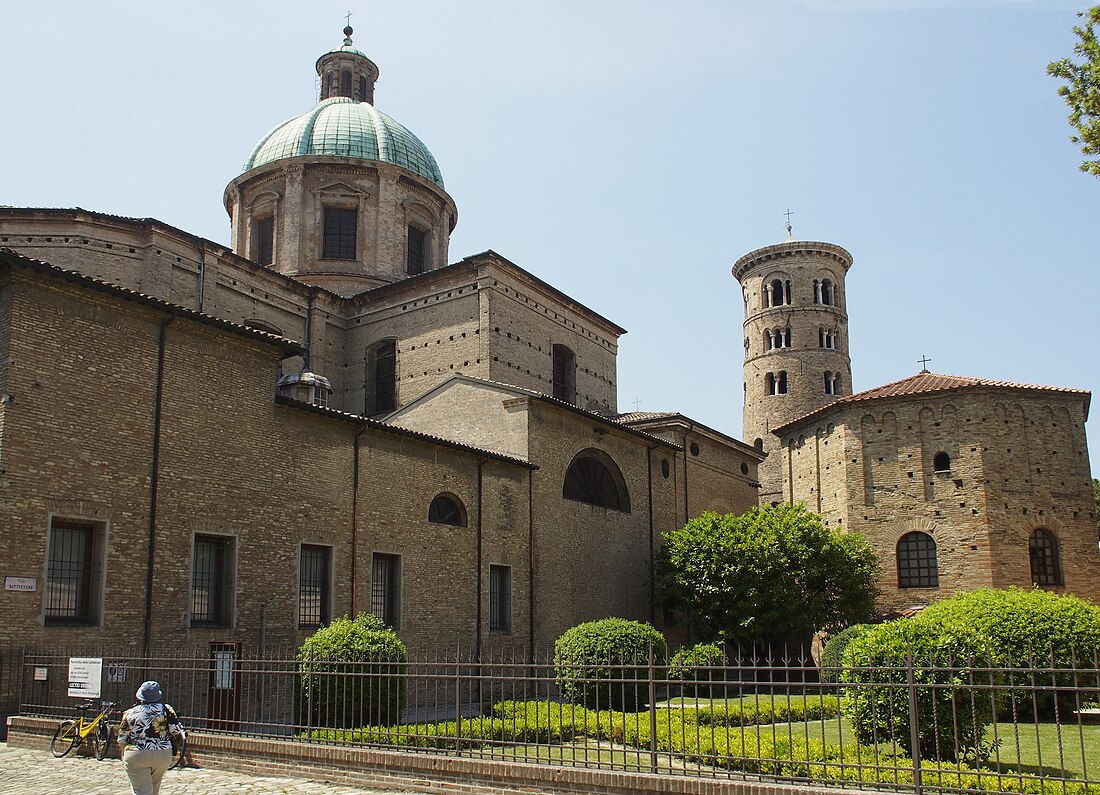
[[796, 342]]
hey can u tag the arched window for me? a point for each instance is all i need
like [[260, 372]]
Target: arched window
[[345, 83], [824, 339], [781, 385], [826, 292], [758, 445], [787, 291], [786, 337], [768, 339], [817, 291], [565, 374], [830, 383], [917, 566], [362, 89], [769, 383], [777, 293], [328, 84], [381, 380], [595, 479], [941, 462], [447, 509], [1046, 560]]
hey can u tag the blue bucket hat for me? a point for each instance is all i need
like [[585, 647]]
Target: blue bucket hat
[[150, 692]]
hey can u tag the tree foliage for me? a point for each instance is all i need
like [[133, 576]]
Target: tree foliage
[[774, 571], [1082, 89]]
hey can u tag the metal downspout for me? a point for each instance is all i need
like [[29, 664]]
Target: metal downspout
[[355, 521], [691, 427], [531, 562], [202, 275], [154, 484], [480, 493], [652, 572]]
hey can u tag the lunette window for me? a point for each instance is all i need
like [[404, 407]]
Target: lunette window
[[447, 509], [595, 479]]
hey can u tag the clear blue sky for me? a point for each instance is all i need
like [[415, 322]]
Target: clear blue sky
[[630, 152]]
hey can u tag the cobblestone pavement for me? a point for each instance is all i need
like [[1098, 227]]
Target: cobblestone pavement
[[30, 772]]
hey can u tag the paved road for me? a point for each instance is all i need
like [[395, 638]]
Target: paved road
[[27, 772]]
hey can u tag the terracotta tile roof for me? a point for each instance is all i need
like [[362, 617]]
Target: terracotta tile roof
[[924, 383], [639, 416]]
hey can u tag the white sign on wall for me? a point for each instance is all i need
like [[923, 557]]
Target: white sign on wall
[[85, 677], [21, 584]]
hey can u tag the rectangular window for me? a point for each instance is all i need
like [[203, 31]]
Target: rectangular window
[[340, 228], [416, 251], [73, 572], [314, 586], [385, 588], [265, 241], [212, 582], [500, 598]]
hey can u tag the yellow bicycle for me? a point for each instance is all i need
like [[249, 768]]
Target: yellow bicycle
[[96, 732]]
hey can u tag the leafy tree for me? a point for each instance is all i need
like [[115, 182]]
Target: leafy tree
[[774, 571], [1082, 93]]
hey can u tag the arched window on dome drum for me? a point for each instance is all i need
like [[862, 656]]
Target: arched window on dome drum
[[328, 86], [594, 478], [447, 509], [416, 250], [263, 240], [381, 381], [1046, 558], [918, 566], [565, 373], [362, 89], [345, 83]]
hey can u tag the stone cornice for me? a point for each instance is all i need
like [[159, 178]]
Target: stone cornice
[[794, 248]]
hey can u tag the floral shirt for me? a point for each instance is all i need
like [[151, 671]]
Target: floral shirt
[[148, 726]]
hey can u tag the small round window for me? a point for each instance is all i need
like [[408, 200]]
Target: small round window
[[744, 468], [665, 469], [694, 448]]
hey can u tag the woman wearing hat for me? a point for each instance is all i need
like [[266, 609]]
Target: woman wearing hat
[[145, 738]]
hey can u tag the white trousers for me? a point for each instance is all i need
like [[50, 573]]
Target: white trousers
[[146, 767]]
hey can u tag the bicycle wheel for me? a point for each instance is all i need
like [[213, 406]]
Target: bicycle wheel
[[179, 755], [103, 737], [65, 739]]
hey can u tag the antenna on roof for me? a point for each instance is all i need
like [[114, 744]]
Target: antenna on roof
[[790, 235], [924, 360]]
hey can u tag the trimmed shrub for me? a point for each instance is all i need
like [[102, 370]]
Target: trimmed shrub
[[694, 667], [352, 673], [604, 664], [952, 667], [833, 652], [1032, 629]]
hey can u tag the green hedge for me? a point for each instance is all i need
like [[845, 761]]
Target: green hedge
[[832, 654], [694, 667], [604, 664], [1031, 629], [351, 672], [796, 710], [951, 662]]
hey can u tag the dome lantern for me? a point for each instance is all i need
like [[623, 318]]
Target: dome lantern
[[347, 72]]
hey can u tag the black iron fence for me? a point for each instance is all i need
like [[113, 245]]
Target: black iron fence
[[966, 726]]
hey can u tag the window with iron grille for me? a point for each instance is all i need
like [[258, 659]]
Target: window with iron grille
[[416, 253], [1046, 563], [917, 564], [339, 236], [314, 586], [500, 598], [385, 588], [265, 241], [447, 509], [212, 582], [73, 572]]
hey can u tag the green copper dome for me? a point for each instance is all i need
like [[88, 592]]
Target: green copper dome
[[343, 127]]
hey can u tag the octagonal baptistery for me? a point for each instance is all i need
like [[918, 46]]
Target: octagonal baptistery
[[342, 197]]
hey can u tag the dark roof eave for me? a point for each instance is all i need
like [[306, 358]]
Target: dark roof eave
[[396, 430], [674, 417]]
